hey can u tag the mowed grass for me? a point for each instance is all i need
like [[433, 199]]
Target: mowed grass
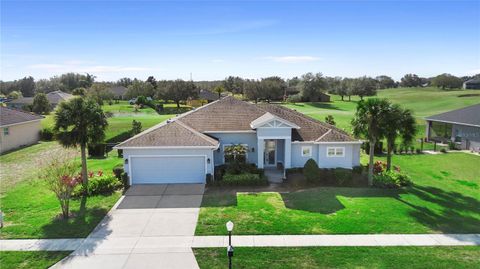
[[444, 199], [341, 257], [30, 259], [31, 210]]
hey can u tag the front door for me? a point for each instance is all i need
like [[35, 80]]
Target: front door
[[270, 152]]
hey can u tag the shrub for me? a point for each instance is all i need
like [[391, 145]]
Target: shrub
[[245, 179], [125, 181], [96, 150], [418, 151], [391, 180], [310, 170], [451, 145], [294, 98], [357, 169], [118, 171], [443, 150], [330, 120], [99, 184], [209, 178], [379, 167], [342, 176], [46, 134]]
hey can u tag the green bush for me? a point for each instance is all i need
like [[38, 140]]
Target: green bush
[[342, 176], [443, 150], [104, 184], [46, 134], [245, 179], [118, 171], [357, 169], [310, 170], [97, 150], [452, 145], [125, 181], [391, 180]]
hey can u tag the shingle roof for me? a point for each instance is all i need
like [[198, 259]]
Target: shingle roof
[[468, 116], [54, 97], [171, 134], [207, 95], [10, 116], [230, 114]]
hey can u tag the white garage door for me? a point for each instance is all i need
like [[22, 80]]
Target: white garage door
[[167, 169]]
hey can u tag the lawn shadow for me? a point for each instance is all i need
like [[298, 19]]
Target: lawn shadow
[[324, 199], [455, 215], [330, 106]]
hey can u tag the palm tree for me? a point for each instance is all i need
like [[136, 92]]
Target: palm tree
[[219, 89], [369, 122], [398, 122], [79, 122]]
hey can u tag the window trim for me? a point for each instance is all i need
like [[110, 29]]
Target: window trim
[[310, 148], [223, 151], [6, 131], [335, 149]]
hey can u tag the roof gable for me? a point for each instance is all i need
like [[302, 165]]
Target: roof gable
[[269, 120]]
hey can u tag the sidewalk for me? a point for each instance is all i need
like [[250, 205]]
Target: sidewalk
[[178, 243]]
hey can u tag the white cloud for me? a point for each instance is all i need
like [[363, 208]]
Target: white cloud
[[473, 72], [81, 67], [292, 59]]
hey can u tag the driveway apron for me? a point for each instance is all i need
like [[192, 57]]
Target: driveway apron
[[152, 226]]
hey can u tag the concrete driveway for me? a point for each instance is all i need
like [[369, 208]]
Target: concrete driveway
[[152, 226]]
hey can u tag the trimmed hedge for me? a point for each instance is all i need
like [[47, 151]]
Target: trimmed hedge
[[244, 179], [104, 184]]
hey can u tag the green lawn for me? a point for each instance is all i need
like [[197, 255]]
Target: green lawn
[[342, 257], [30, 259], [31, 209], [445, 198]]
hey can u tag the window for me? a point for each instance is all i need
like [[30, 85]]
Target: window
[[233, 153], [6, 131], [307, 151], [335, 152]]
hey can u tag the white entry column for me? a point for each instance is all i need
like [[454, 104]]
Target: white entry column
[[260, 152], [288, 152]]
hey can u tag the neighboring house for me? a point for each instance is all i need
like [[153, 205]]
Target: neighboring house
[[472, 84], [204, 97], [54, 98], [119, 92], [18, 128], [461, 126], [188, 147]]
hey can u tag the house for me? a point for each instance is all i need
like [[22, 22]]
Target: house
[[472, 84], [119, 92], [54, 98], [461, 126], [204, 97], [187, 148], [18, 128]]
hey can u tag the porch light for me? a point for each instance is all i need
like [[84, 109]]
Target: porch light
[[208, 160], [253, 149]]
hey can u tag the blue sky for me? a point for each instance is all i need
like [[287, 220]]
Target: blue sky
[[212, 40]]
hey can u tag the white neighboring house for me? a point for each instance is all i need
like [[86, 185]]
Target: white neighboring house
[[188, 147], [18, 128]]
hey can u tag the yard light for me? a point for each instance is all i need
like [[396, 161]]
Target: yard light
[[229, 247]]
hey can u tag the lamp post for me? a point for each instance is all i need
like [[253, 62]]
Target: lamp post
[[229, 247]]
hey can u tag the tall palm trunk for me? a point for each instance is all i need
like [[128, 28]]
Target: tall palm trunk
[[389, 154], [370, 163], [84, 166]]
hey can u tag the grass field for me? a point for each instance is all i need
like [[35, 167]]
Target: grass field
[[444, 198], [30, 259], [342, 257], [31, 210]]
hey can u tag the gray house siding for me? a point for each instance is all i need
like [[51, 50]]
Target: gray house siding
[[297, 159], [350, 159], [235, 138], [274, 132]]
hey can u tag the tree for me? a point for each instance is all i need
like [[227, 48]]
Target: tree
[[312, 86], [272, 88], [27, 86], [48, 85], [253, 90], [41, 105], [234, 85], [330, 120], [79, 91], [364, 86], [219, 89], [80, 122], [385, 82], [178, 90], [15, 95], [138, 88], [398, 122], [136, 127], [410, 80], [152, 81], [125, 82], [447, 81], [100, 92], [369, 122]]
